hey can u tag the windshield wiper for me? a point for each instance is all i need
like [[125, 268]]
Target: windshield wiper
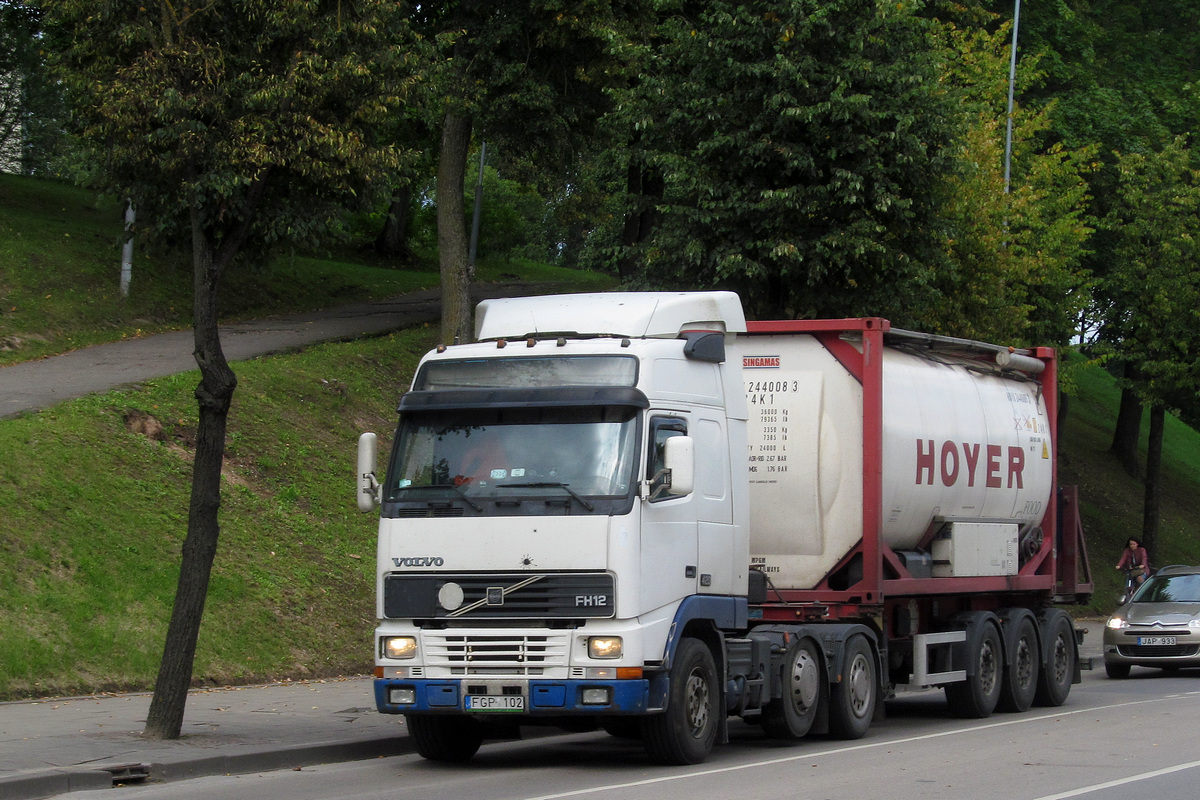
[[551, 485], [462, 492]]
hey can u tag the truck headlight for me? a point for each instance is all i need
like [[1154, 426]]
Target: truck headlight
[[605, 646], [398, 646]]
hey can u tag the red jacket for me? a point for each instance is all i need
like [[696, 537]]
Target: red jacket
[[1135, 558]]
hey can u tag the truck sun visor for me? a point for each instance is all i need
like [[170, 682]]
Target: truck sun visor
[[523, 398]]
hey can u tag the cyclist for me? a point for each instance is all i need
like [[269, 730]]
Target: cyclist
[[1135, 559]]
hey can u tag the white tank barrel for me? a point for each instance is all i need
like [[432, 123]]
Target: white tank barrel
[[962, 443]]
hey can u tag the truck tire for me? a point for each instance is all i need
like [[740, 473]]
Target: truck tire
[[977, 696], [1058, 666], [449, 739], [852, 700], [1023, 667], [686, 731], [791, 715]]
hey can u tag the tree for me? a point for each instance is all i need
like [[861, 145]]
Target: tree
[[233, 143], [1156, 234], [529, 74], [1014, 258], [1117, 74], [801, 148]]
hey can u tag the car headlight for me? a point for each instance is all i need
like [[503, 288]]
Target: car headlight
[[1116, 623], [1194, 623], [605, 646], [398, 646]]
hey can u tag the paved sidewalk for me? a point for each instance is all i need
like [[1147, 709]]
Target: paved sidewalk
[[50, 747], [38, 384]]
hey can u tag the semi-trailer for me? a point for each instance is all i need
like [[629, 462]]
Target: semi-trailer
[[641, 512]]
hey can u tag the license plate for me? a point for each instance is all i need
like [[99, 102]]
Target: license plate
[[495, 702], [1155, 641]]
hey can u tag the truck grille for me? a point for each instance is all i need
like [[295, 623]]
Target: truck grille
[[491, 653], [499, 596]]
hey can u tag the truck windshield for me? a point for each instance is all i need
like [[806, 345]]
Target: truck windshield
[[576, 459]]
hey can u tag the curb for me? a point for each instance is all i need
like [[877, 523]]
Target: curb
[[37, 784]]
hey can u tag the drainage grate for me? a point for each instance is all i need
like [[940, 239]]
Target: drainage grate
[[127, 773]]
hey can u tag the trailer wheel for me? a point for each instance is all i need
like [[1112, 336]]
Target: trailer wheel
[[977, 696], [450, 739], [792, 715], [1058, 669], [1023, 668], [686, 731], [852, 700]]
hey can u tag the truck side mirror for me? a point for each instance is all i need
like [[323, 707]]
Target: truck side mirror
[[368, 486], [680, 463]]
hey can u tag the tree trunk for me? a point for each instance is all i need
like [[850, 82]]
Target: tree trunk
[[392, 241], [1129, 426], [645, 187], [214, 395], [452, 230], [1153, 480]]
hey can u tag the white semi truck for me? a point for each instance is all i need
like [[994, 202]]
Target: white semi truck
[[641, 512]]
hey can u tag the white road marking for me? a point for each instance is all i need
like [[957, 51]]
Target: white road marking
[[809, 755], [1111, 784]]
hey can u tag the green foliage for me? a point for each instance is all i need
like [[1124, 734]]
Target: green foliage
[[1154, 318], [272, 127], [1014, 270], [802, 149], [532, 74]]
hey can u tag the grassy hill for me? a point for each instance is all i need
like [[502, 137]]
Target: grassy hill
[[93, 514]]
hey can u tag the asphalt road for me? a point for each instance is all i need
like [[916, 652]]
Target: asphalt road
[[1113, 739], [37, 384]]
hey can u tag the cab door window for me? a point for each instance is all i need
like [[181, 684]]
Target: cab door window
[[661, 429]]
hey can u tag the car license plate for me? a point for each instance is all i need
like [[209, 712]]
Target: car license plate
[[495, 702], [1155, 641]]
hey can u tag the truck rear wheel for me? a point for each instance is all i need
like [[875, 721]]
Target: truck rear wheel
[[791, 716], [1058, 669], [1023, 668], [451, 739], [686, 731], [852, 700], [977, 696]]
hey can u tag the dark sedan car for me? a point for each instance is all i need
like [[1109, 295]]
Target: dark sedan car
[[1158, 627]]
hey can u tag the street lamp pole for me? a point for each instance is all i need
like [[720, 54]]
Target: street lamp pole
[[1012, 80]]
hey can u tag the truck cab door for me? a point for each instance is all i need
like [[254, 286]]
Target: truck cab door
[[670, 569]]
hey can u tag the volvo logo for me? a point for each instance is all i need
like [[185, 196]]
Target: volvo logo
[[419, 561]]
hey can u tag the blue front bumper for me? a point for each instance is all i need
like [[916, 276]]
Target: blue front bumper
[[544, 698]]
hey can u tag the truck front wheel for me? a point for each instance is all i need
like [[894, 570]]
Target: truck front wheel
[[791, 716], [451, 739], [852, 700], [686, 731]]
